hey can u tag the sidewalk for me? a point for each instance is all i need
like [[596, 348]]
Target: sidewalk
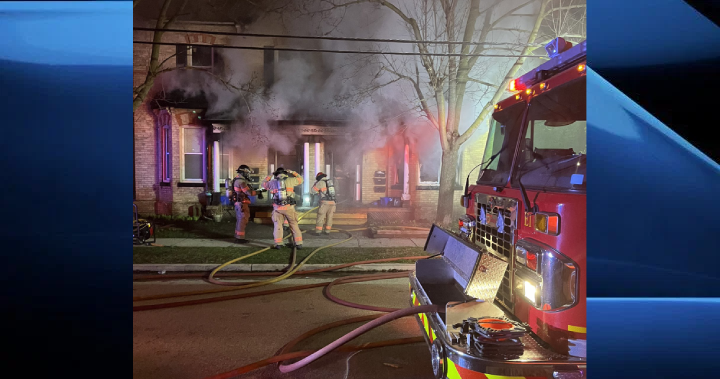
[[308, 242]]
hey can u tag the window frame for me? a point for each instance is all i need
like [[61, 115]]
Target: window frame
[[165, 154], [230, 172], [203, 149], [421, 183], [188, 56]]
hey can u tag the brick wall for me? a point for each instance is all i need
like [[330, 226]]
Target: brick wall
[[373, 160], [151, 197]]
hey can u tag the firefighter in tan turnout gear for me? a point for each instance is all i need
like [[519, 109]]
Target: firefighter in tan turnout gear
[[327, 203], [240, 197], [281, 186]]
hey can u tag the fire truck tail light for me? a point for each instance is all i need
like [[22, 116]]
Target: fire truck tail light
[[516, 85], [581, 67], [548, 223]]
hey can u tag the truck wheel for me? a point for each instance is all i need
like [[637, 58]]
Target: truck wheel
[[438, 360]]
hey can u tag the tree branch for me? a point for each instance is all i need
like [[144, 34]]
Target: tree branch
[[423, 102], [512, 30], [555, 9], [507, 14], [513, 70], [179, 13], [483, 83]]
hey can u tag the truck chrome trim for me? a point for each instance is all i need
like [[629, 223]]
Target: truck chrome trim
[[502, 244], [557, 276]]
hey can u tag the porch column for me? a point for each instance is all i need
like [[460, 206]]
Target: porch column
[[216, 166], [317, 158], [406, 174], [358, 187], [306, 173]]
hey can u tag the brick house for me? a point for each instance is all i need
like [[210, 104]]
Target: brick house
[[181, 151]]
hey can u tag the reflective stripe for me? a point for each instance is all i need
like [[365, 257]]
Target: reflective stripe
[[298, 239], [240, 233], [278, 240], [316, 189], [328, 227], [577, 329], [452, 372], [318, 227]]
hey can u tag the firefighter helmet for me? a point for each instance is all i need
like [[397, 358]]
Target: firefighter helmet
[[320, 176], [244, 171], [279, 171]]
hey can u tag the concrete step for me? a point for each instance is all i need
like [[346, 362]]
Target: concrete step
[[311, 221], [337, 215]]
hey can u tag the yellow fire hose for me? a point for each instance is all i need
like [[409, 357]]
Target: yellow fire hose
[[240, 286]]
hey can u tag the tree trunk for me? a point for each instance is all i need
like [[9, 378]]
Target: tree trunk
[[446, 194]]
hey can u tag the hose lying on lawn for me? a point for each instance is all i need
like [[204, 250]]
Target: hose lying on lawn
[[309, 357]]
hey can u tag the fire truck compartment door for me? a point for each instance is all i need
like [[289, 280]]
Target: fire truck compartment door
[[437, 280], [478, 272]]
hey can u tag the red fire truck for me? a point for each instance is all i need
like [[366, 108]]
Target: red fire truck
[[513, 276]]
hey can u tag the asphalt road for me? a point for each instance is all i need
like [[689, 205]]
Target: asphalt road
[[198, 341]]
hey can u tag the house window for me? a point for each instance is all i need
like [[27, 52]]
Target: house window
[[193, 155], [165, 143], [194, 56], [430, 168]]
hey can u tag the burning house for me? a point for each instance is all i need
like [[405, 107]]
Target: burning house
[[187, 142]]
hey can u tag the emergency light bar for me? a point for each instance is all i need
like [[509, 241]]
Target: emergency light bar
[[560, 61]]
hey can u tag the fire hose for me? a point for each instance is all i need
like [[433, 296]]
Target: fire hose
[[309, 356]]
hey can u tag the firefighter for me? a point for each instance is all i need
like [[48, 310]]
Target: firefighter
[[240, 197], [325, 213], [281, 186]]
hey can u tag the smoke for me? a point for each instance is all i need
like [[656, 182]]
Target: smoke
[[376, 105]]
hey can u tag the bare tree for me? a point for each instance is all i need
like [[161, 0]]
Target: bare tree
[[443, 85]]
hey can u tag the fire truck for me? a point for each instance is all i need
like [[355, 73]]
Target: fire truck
[[512, 276]]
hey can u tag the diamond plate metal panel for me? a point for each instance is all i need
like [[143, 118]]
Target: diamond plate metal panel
[[487, 278]]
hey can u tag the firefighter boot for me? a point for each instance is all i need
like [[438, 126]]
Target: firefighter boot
[[241, 240]]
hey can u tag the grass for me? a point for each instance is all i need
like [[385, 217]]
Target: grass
[[219, 255], [194, 229]]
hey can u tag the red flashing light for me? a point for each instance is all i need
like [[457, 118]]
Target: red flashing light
[[532, 261], [460, 223], [515, 85]]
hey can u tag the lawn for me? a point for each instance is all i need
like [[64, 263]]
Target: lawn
[[219, 255]]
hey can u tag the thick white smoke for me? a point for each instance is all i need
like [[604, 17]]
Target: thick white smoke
[[327, 86]]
